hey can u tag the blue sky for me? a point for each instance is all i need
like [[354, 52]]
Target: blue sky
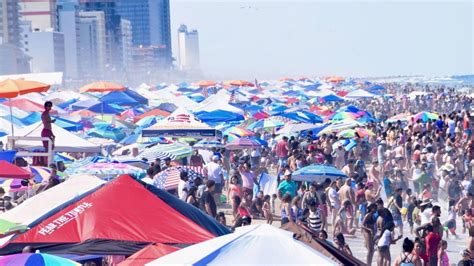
[[271, 39]]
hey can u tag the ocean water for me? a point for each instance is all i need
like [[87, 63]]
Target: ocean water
[[467, 80]]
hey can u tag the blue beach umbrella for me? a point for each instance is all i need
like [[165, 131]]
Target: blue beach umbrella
[[317, 173]]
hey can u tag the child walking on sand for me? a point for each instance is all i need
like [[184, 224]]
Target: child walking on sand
[[267, 212]]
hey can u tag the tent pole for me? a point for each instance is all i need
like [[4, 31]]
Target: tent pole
[[11, 116]]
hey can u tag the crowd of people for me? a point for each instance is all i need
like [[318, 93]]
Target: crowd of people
[[402, 174], [406, 173]]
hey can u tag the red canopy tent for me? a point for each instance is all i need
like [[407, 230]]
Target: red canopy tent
[[119, 218], [147, 254], [8, 170]]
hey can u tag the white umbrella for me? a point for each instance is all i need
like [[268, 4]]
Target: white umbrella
[[249, 245]]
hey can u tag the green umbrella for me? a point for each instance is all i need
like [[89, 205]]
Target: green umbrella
[[8, 227]]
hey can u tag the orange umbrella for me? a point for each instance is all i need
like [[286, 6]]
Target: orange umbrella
[[335, 79], [206, 83], [239, 83], [101, 86], [11, 88]]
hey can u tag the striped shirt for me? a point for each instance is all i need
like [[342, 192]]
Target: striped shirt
[[314, 220]]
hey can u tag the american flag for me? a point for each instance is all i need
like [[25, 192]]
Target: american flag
[[169, 178]]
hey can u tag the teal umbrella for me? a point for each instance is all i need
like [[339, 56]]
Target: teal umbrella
[[107, 132]]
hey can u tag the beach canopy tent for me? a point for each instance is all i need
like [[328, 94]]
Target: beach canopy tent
[[218, 116], [317, 173], [180, 123], [148, 253], [65, 141], [32, 209], [126, 97], [359, 94], [249, 245], [8, 170], [219, 101], [122, 223]]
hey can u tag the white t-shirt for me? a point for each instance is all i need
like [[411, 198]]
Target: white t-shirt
[[214, 172], [385, 239], [181, 193], [425, 216], [334, 198]]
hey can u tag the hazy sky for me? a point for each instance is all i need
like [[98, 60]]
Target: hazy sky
[[271, 39]]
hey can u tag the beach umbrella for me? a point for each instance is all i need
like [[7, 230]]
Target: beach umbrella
[[7, 227], [303, 116], [41, 174], [242, 143], [107, 132], [350, 133], [35, 259], [111, 169], [338, 126], [239, 132], [348, 144], [402, 117], [238, 83], [208, 144], [8, 170], [317, 173], [262, 244], [265, 124], [11, 88], [206, 83], [293, 128], [343, 115], [425, 116], [101, 86]]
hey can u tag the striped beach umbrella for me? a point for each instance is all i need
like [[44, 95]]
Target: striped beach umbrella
[[242, 143], [169, 178], [35, 259], [112, 169], [208, 144]]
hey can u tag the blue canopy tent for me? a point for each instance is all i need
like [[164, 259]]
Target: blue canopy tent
[[332, 98], [68, 125], [103, 108], [126, 97], [118, 97], [218, 116], [303, 116], [66, 104]]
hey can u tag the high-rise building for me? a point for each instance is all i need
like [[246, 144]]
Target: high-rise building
[[151, 25], [46, 49], [92, 48], [126, 43], [9, 22], [188, 49], [41, 13], [13, 59], [112, 30], [67, 12]]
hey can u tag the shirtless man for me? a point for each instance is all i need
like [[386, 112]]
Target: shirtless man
[[47, 121], [347, 194], [374, 174], [372, 193]]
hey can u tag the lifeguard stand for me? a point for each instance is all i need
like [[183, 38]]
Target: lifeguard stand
[[49, 153]]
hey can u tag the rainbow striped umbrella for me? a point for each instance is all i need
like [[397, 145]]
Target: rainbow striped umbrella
[[35, 259], [42, 174], [239, 132], [351, 133], [265, 124], [344, 115], [425, 116], [242, 143]]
